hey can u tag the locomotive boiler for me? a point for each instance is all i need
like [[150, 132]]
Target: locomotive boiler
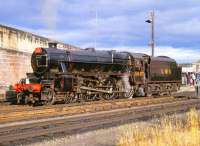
[[87, 75]]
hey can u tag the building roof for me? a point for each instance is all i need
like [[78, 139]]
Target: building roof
[[37, 36]]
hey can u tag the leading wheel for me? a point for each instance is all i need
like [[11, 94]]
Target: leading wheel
[[20, 97], [50, 97]]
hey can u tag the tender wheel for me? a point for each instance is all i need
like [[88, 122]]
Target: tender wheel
[[149, 91], [169, 89]]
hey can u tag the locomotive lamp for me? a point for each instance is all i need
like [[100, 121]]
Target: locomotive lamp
[[151, 21]]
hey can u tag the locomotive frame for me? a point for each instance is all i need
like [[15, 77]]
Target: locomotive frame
[[87, 75]]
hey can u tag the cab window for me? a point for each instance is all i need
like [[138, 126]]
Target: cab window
[[41, 60]]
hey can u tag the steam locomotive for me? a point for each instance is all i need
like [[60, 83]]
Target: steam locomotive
[[87, 75]]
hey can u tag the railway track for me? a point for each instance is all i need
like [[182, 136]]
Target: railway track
[[11, 133], [17, 113]]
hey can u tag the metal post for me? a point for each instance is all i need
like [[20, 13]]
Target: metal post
[[152, 34], [152, 43]]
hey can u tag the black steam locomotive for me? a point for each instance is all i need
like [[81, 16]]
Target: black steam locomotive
[[86, 75]]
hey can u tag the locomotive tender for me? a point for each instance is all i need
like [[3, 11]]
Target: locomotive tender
[[86, 75]]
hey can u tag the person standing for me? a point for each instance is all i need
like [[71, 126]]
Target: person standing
[[197, 85], [193, 77]]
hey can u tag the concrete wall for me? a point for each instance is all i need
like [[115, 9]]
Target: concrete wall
[[16, 47], [13, 66]]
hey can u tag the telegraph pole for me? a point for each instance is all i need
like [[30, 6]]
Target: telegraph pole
[[152, 22]]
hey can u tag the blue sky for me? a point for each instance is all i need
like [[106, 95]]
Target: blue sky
[[120, 24]]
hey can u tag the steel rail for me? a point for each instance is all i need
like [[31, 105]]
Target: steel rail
[[15, 131], [28, 108], [82, 108]]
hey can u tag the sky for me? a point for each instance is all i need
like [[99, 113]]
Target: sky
[[112, 24]]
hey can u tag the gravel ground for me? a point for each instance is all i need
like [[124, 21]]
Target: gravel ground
[[103, 137], [186, 91], [187, 88]]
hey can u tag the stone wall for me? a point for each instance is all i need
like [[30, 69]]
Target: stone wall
[[16, 47]]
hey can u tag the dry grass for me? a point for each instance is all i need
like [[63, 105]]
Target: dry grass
[[168, 132]]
